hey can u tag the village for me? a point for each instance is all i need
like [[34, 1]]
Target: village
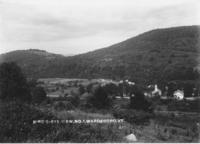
[[63, 87]]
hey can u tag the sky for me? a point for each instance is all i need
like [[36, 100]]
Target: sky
[[71, 27]]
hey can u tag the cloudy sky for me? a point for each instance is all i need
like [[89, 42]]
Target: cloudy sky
[[78, 26]]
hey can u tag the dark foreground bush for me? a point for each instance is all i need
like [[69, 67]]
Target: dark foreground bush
[[83, 133], [133, 116], [16, 123]]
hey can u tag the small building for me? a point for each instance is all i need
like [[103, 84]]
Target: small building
[[178, 94], [152, 91], [156, 91]]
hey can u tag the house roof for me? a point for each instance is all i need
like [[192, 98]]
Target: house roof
[[179, 91]]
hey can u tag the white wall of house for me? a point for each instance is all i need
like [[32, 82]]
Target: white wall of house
[[179, 94]]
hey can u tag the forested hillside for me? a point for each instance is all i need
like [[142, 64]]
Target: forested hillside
[[156, 56]]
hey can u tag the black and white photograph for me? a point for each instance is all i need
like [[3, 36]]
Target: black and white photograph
[[99, 71]]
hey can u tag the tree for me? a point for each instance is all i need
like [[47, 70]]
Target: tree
[[38, 94], [100, 99], [188, 89], [138, 101], [81, 89], [172, 86], [74, 99], [111, 89], [13, 84]]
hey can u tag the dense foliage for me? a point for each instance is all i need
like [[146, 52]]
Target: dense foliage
[[185, 106], [133, 116], [139, 102], [13, 84], [16, 123], [38, 95], [100, 99]]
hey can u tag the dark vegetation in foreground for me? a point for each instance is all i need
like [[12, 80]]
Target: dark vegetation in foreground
[[18, 111], [29, 102]]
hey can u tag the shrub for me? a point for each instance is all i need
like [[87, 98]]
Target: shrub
[[16, 123], [132, 116], [85, 100], [60, 105], [84, 133], [111, 89], [190, 106], [90, 88], [74, 99], [81, 89]]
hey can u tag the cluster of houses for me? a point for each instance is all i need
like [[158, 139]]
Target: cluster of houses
[[153, 91], [55, 89], [150, 91], [177, 94]]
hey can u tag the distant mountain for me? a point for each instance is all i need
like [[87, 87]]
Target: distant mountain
[[159, 56], [32, 61]]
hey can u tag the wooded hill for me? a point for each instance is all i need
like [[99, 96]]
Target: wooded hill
[[157, 56]]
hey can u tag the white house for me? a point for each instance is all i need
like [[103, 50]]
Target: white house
[[178, 94], [156, 91], [152, 91]]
